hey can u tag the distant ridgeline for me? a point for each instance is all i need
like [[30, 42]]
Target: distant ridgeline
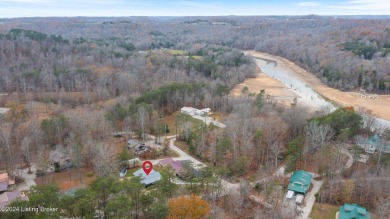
[[345, 52]]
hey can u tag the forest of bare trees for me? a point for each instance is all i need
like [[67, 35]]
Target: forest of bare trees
[[344, 53], [70, 83]]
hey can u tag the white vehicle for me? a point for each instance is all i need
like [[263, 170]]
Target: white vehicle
[[299, 199], [290, 194]]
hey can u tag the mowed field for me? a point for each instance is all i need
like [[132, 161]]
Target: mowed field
[[378, 107], [271, 86]]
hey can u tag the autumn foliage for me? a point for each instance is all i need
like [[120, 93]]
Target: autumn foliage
[[187, 207]]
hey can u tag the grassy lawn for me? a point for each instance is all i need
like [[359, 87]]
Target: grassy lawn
[[171, 122], [177, 52], [323, 211], [195, 57]]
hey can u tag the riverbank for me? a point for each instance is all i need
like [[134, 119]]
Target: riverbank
[[377, 107]]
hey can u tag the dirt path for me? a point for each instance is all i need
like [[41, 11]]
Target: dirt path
[[29, 178], [378, 107]]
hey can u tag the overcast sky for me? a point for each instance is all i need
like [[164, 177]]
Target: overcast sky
[[44, 8]]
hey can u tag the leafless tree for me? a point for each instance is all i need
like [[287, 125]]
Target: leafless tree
[[383, 207], [143, 117], [318, 135], [5, 143], [25, 149]]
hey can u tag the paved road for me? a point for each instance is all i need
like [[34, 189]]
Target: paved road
[[228, 187], [208, 120], [310, 199]]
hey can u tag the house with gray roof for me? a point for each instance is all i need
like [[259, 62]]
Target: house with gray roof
[[149, 179]]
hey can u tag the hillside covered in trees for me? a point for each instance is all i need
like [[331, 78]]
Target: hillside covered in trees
[[344, 53], [85, 96]]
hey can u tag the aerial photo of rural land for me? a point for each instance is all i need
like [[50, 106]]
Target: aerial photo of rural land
[[194, 109]]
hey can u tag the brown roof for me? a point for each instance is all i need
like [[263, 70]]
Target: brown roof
[[3, 177]]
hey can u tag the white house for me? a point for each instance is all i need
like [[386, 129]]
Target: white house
[[188, 110], [193, 111]]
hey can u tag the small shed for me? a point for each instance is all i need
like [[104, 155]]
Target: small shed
[[353, 211], [122, 172], [135, 162], [300, 182]]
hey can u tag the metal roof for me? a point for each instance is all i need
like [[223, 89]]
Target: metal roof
[[300, 181], [349, 211], [153, 176]]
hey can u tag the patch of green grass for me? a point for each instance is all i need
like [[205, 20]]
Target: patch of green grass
[[323, 211], [171, 122], [195, 57], [177, 52]]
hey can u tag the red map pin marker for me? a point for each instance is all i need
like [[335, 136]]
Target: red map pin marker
[[147, 166]]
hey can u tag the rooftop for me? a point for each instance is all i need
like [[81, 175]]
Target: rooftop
[[353, 211], [153, 176], [376, 142], [8, 197], [175, 165], [5, 180], [300, 181]]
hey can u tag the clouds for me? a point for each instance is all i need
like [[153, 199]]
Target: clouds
[[25, 1], [347, 7], [364, 5], [32, 8]]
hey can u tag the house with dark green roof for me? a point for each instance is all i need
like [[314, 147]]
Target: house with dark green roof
[[353, 211], [300, 182]]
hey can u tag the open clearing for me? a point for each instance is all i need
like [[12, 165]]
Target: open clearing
[[378, 107], [271, 86], [68, 179], [323, 211]]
